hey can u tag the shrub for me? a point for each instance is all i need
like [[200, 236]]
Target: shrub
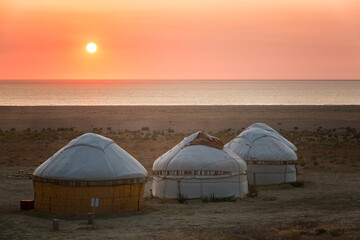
[[97, 130], [297, 184], [218, 199], [253, 192], [145, 129], [182, 199], [320, 231], [205, 200], [335, 233]]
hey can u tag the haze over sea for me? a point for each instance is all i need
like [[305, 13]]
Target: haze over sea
[[220, 92]]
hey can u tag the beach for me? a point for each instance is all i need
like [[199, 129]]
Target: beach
[[180, 118], [327, 138]]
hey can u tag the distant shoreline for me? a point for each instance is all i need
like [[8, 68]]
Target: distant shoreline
[[179, 93], [194, 105], [180, 118], [172, 80]]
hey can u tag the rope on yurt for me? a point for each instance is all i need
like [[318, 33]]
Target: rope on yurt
[[88, 183], [239, 170], [199, 180], [109, 162], [285, 164], [179, 191], [271, 162], [200, 176], [278, 173], [247, 157], [168, 165]]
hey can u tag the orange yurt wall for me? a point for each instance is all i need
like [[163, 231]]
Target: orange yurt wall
[[77, 200]]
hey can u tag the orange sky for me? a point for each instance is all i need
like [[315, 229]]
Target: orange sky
[[187, 39]]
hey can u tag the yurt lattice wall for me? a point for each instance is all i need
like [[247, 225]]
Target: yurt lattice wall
[[76, 200]]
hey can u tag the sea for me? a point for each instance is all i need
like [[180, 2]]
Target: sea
[[177, 92]]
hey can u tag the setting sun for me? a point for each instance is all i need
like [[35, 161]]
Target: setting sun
[[91, 47]]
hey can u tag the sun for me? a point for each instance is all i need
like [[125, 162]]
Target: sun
[[91, 47]]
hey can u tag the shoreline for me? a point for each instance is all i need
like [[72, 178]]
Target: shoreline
[[193, 105]]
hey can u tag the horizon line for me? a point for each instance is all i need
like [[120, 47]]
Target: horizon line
[[139, 80]]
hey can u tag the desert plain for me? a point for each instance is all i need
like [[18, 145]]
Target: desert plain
[[326, 206]]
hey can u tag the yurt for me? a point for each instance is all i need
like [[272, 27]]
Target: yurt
[[199, 167], [89, 170], [268, 159], [275, 133]]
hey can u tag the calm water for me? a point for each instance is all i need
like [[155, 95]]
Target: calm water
[[34, 93]]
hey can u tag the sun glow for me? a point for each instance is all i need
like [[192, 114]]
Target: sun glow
[[91, 47]]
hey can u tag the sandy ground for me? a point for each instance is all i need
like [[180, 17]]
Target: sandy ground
[[327, 207], [180, 118], [328, 202]]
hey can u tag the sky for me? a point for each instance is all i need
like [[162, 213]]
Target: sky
[[181, 39]]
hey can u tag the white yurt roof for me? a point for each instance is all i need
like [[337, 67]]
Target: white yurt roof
[[259, 144], [276, 134], [187, 156], [91, 157]]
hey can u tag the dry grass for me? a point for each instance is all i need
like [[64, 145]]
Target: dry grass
[[323, 149]]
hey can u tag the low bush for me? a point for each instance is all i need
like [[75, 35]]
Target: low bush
[[297, 184], [182, 199], [253, 192], [212, 198], [335, 233]]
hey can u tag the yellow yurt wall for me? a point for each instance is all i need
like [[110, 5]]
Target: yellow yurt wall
[[77, 200]]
